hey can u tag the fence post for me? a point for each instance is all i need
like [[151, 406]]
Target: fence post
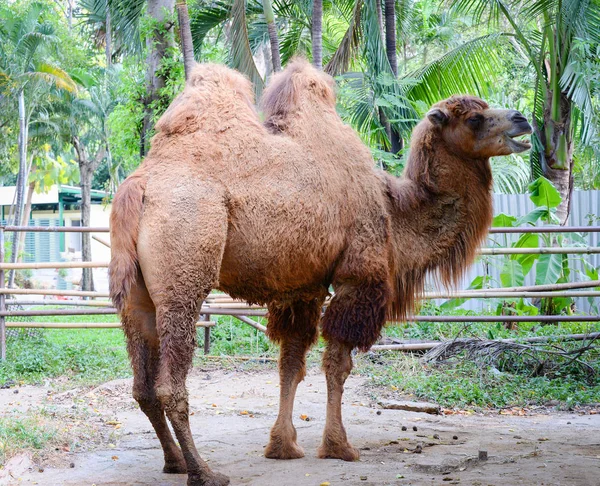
[[2, 301], [206, 317]]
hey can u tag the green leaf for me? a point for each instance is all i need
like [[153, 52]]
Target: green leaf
[[476, 284], [534, 216], [548, 269], [526, 309], [527, 240], [544, 194], [512, 274], [504, 221]]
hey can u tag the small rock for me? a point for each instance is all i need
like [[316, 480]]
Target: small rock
[[517, 437], [418, 449], [568, 423], [404, 428], [436, 436], [415, 428], [72, 465], [455, 437], [16, 391], [378, 412], [41, 469], [363, 478], [483, 455]]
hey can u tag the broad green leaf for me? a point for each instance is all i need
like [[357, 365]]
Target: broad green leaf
[[512, 274], [527, 240], [548, 269], [526, 309], [533, 216], [476, 284], [504, 221], [544, 194]]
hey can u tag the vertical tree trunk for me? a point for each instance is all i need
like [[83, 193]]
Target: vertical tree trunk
[[185, 33], [390, 46], [25, 220], [557, 163], [87, 278], [108, 37], [317, 33], [87, 167], [273, 37], [157, 43], [20, 189]]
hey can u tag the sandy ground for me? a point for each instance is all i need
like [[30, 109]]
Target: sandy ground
[[234, 410]]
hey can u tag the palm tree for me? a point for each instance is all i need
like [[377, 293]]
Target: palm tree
[[546, 33], [185, 34], [317, 33], [24, 73]]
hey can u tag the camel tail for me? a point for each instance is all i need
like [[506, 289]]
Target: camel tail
[[124, 226]]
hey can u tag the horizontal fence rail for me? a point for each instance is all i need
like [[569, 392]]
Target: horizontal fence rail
[[222, 304]]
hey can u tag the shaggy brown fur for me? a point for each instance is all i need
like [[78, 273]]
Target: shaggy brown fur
[[278, 213]]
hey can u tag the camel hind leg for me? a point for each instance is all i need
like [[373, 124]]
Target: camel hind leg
[[139, 324], [181, 265]]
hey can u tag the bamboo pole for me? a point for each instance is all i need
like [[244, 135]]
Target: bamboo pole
[[250, 322], [83, 325], [66, 293], [546, 229], [101, 240], [537, 339], [571, 250], [77, 303], [496, 230], [57, 229], [41, 265]]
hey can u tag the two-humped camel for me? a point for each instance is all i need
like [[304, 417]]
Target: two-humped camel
[[277, 212]]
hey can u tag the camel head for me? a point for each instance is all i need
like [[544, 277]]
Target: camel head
[[471, 129]]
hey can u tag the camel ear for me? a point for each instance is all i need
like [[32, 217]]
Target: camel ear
[[438, 117]]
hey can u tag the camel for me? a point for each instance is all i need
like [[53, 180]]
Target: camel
[[276, 213]]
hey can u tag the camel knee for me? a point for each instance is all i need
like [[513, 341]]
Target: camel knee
[[173, 401]]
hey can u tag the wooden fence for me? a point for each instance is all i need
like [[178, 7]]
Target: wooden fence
[[222, 304]]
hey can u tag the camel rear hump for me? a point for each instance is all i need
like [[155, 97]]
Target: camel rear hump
[[124, 228]]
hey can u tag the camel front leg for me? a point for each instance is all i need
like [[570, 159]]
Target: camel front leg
[[337, 363], [295, 327], [354, 319]]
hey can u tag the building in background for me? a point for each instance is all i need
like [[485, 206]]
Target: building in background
[[60, 206]]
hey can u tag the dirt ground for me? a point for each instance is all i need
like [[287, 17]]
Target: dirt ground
[[234, 410]]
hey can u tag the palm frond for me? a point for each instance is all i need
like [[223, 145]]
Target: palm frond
[[348, 48], [511, 174], [466, 69], [53, 75], [241, 53]]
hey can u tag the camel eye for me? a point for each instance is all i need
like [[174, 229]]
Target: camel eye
[[475, 121]]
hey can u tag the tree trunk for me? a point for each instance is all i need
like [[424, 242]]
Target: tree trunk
[[390, 46], [317, 33], [108, 37], [557, 159], [273, 37], [157, 43], [20, 189], [86, 170], [185, 33], [25, 220]]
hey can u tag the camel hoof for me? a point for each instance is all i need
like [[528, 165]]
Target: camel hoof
[[344, 452], [212, 479], [277, 451], [177, 467]]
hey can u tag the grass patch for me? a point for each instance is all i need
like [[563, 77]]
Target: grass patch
[[24, 434], [465, 384]]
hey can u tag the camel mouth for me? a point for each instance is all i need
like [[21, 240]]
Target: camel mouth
[[522, 145]]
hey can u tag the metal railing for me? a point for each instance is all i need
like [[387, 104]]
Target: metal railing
[[221, 304]]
